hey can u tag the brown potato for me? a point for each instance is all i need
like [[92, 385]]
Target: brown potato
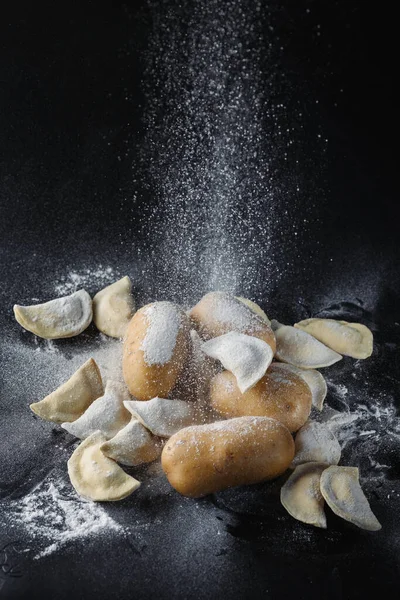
[[203, 459], [156, 347], [218, 313], [281, 396]]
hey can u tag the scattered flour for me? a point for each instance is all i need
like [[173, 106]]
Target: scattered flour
[[53, 515], [92, 279]]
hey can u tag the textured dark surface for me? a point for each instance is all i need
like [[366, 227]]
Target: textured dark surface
[[68, 202]]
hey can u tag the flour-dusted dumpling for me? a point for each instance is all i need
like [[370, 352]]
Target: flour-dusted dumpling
[[300, 349], [163, 417], [133, 445], [315, 442], [97, 477], [72, 398], [156, 349], [351, 339], [255, 308], [342, 491], [314, 379], [245, 356], [301, 494], [106, 414], [60, 318], [218, 313], [113, 308]]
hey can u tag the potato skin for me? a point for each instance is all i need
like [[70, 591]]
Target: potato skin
[[146, 381], [204, 459], [218, 313], [289, 403]]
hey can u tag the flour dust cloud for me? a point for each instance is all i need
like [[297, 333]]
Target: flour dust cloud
[[221, 151]]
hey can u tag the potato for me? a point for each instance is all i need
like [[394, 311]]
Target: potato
[[281, 396], [218, 313], [156, 347], [203, 459]]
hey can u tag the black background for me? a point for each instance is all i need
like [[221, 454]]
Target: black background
[[65, 197]]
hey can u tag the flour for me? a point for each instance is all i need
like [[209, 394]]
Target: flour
[[164, 321], [53, 516], [92, 279]]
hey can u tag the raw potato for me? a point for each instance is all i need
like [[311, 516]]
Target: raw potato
[[156, 347], [342, 491], [204, 459], [301, 494], [315, 442], [301, 349], [255, 308], [60, 318], [72, 398], [97, 477], [113, 308], [245, 356], [314, 379], [161, 416], [351, 339], [106, 414], [284, 397], [219, 312], [133, 445]]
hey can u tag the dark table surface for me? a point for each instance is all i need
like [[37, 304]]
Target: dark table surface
[[193, 147]]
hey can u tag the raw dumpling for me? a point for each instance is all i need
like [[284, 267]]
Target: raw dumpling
[[342, 491], [132, 445], [315, 442], [300, 349], [60, 318], [161, 416], [96, 476], [113, 308], [245, 356], [255, 308], [351, 339], [106, 414], [301, 494], [72, 398]]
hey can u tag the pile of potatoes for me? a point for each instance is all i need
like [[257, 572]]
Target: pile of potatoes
[[218, 391]]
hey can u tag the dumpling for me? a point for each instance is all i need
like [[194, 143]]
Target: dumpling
[[113, 308], [106, 414], [350, 339], [315, 442], [245, 356], [133, 445], [298, 348], [68, 402], [97, 477], [59, 318], [342, 491], [163, 417], [301, 494]]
